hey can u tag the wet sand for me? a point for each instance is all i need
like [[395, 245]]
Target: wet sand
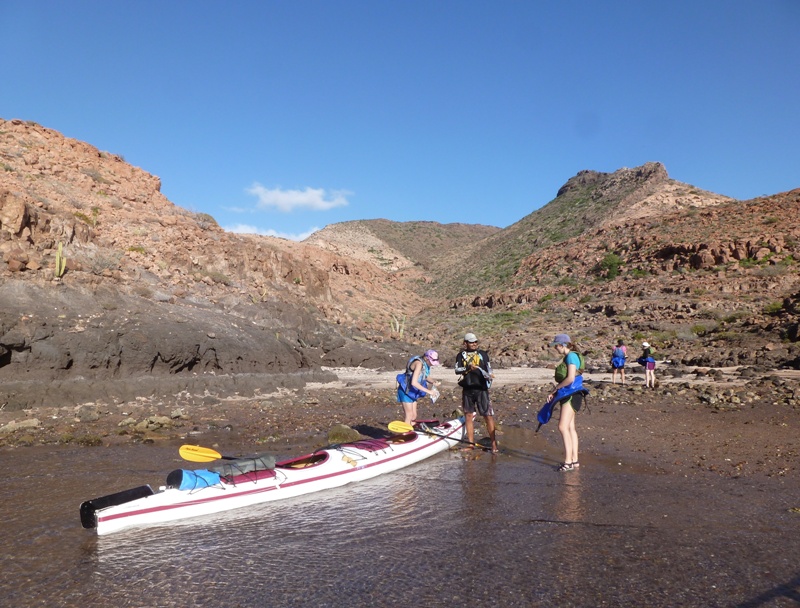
[[700, 423], [686, 495]]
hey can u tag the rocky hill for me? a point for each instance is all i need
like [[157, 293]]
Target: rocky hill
[[397, 246], [715, 284], [107, 288], [586, 202], [106, 281]]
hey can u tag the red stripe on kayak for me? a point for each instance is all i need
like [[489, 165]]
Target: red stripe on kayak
[[234, 494]]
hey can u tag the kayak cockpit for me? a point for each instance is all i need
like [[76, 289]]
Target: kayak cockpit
[[303, 462]]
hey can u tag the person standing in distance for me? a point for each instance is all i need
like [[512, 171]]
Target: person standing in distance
[[618, 356], [475, 369], [648, 361]]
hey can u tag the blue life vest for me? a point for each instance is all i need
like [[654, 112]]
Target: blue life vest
[[546, 412], [404, 379]]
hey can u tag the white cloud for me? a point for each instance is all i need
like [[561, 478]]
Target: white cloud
[[246, 229], [288, 200]]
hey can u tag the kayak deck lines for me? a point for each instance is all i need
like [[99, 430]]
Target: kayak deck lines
[[204, 491]]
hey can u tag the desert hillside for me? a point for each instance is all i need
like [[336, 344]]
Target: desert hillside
[[93, 286], [399, 245]]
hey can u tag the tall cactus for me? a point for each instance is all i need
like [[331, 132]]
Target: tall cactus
[[61, 262], [398, 325]]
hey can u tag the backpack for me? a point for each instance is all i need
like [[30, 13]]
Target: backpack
[[618, 352], [561, 368]]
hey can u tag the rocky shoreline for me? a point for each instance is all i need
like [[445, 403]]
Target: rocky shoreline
[[707, 421]]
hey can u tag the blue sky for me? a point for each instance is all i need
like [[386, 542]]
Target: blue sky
[[282, 117]]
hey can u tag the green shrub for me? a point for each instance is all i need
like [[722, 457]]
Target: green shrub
[[609, 266], [733, 317]]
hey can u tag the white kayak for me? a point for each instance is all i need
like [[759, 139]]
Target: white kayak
[[197, 493]]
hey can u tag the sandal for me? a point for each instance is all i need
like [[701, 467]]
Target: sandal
[[566, 466], [575, 464]]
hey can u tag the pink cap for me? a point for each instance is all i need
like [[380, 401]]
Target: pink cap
[[432, 356]]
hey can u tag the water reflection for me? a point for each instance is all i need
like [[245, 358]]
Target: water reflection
[[569, 506], [457, 529], [478, 487]]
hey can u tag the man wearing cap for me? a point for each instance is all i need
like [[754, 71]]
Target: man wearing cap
[[473, 365]]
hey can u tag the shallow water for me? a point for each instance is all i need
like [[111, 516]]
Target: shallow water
[[459, 529]]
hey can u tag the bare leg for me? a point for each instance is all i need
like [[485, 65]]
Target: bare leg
[[574, 434], [470, 427], [566, 425], [490, 428], [410, 410], [622, 374]]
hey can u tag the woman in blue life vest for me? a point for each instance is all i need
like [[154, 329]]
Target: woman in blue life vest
[[565, 375], [619, 354], [414, 383]]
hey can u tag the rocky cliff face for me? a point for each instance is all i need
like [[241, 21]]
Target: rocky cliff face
[[107, 288], [148, 289]]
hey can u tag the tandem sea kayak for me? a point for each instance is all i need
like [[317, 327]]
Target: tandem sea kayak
[[238, 483]]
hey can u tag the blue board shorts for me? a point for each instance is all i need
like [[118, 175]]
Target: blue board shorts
[[402, 397]]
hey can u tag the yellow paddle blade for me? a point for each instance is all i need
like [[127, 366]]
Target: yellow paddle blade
[[400, 427], [195, 453]]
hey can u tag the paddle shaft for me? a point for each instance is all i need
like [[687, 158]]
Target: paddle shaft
[[402, 427], [472, 443]]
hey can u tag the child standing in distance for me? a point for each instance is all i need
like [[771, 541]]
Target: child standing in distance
[[414, 384], [649, 363]]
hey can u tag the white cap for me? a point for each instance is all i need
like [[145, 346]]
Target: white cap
[[646, 344], [470, 338]]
